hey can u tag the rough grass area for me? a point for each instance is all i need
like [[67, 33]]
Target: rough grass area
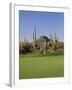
[[41, 67]]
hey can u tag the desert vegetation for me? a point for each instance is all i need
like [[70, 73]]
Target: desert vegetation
[[41, 45]]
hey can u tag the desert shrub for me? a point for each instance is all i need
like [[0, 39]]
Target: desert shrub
[[25, 48]]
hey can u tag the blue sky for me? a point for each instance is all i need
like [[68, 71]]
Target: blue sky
[[45, 23]]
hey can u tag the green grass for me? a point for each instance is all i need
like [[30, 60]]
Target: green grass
[[41, 66]]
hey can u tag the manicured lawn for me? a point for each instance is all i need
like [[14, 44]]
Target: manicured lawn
[[41, 67]]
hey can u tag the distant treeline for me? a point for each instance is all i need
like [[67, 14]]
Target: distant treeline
[[44, 47]]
